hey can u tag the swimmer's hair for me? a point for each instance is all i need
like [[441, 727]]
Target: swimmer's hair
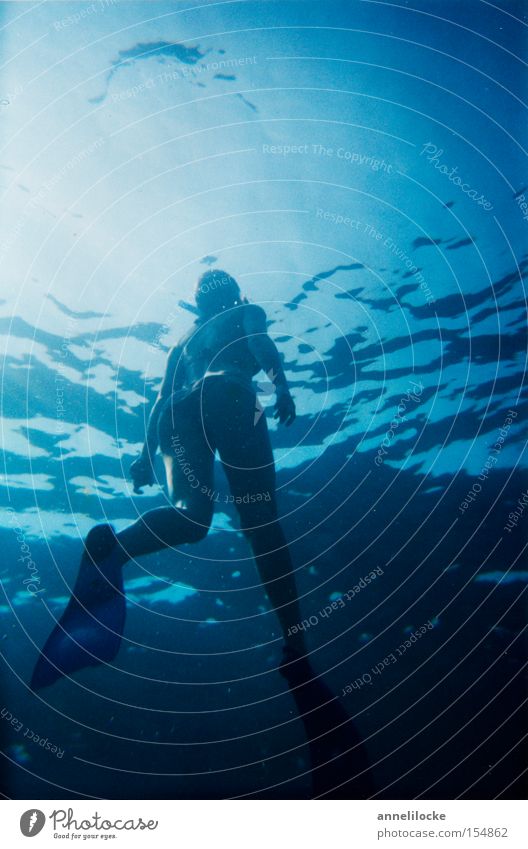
[[215, 291]]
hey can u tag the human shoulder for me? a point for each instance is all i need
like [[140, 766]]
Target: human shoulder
[[187, 336], [255, 318]]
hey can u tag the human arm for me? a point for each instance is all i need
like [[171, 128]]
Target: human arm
[[142, 469], [267, 356]]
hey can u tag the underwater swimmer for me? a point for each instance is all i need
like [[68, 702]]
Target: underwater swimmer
[[206, 404]]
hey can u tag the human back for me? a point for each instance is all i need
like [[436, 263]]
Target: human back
[[218, 346]]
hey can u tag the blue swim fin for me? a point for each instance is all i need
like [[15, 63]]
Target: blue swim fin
[[339, 760], [89, 631]]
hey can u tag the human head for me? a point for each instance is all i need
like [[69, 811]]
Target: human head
[[216, 291]]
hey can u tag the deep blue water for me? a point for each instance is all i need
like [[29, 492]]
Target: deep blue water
[[360, 168]]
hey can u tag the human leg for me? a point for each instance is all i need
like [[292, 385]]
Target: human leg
[[339, 762], [274, 564], [244, 446], [188, 455], [90, 629]]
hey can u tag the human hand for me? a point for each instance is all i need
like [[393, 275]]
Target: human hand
[[142, 473], [284, 408]]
